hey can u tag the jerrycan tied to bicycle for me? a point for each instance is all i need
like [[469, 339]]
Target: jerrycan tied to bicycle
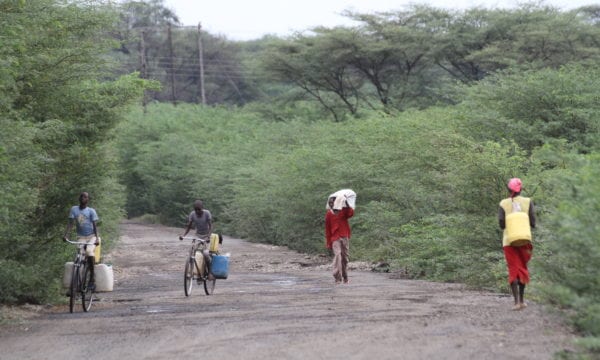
[[219, 266], [200, 263], [103, 273], [215, 241], [222, 261]]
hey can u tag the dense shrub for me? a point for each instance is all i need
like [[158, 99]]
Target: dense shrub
[[57, 107], [534, 106], [269, 181], [570, 267], [428, 182]]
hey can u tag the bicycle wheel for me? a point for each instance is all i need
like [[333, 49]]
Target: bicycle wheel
[[209, 285], [87, 294], [74, 289], [188, 277]]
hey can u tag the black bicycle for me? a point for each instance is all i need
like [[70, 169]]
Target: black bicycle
[[80, 279], [197, 269]]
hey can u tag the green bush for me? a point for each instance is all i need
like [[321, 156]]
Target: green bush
[[58, 104], [570, 267], [269, 181], [428, 182], [536, 106]]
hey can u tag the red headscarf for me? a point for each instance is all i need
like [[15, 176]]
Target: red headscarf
[[514, 185]]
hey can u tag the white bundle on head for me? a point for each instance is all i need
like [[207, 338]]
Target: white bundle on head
[[341, 197]]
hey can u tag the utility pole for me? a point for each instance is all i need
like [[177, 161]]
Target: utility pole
[[143, 68], [171, 64], [201, 62]]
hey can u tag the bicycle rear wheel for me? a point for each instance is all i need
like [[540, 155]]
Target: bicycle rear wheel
[[74, 289], [188, 276], [87, 294], [209, 285]]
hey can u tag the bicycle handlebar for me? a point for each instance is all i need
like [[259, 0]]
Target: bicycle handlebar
[[77, 242], [200, 240]]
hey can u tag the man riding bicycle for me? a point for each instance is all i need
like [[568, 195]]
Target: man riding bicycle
[[85, 219], [201, 219]]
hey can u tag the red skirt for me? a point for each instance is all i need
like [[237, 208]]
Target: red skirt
[[517, 258]]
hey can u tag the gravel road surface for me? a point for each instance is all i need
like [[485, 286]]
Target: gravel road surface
[[276, 304]]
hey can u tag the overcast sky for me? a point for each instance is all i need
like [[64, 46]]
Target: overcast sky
[[251, 19]]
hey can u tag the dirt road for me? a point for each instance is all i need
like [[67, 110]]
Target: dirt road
[[277, 304]]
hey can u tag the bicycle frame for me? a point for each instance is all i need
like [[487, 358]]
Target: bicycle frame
[[78, 278], [198, 244], [193, 250]]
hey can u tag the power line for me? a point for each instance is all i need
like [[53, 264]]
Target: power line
[[189, 61], [158, 76]]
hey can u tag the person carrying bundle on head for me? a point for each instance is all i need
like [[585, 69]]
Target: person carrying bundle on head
[[340, 208]]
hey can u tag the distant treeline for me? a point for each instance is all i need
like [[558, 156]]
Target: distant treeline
[[388, 61]]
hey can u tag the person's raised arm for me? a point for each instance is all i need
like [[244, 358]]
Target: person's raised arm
[[348, 212], [187, 229]]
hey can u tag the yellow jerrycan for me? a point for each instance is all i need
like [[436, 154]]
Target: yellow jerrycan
[[97, 253], [518, 231], [214, 243]]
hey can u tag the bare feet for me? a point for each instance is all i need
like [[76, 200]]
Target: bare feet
[[346, 281], [516, 307], [523, 305]]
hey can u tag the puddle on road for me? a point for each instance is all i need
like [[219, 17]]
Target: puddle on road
[[155, 311], [286, 282]]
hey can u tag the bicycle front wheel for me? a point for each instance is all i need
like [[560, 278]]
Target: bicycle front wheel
[[188, 277], [74, 289], [86, 290]]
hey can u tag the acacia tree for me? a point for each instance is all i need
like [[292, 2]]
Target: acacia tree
[[384, 63], [171, 56], [589, 14], [394, 54], [318, 66], [380, 65], [478, 42], [457, 40], [141, 15]]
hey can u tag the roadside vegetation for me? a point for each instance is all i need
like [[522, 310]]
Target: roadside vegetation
[[424, 113]]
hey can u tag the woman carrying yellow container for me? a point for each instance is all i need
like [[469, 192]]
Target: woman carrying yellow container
[[516, 217]]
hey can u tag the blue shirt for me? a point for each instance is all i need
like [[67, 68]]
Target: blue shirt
[[84, 219]]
